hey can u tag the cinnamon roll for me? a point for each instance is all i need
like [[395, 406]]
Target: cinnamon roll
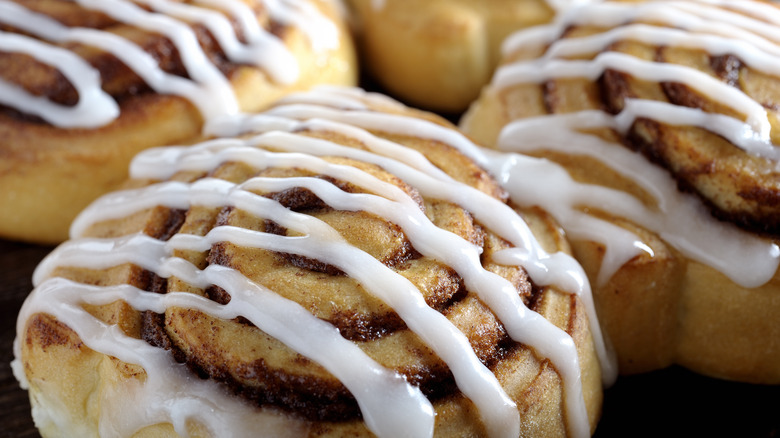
[[658, 122], [438, 54], [338, 265], [85, 85]]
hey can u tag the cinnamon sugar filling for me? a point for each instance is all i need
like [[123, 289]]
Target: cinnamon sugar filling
[[304, 388]]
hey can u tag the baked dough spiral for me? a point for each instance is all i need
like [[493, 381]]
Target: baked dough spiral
[[659, 121], [85, 85], [338, 265]]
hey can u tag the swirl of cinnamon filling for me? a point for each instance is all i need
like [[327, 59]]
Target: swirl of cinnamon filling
[[85, 85], [336, 266], [691, 85], [261, 368], [192, 50], [656, 125]]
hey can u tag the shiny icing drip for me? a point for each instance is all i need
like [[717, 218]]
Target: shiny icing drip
[[278, 130], [558, 5], [746, 259], [563, 5], [205, 86]]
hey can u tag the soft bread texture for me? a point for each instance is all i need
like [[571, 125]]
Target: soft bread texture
[[438, 54], [675, 301], [49, 172], [79, 385]]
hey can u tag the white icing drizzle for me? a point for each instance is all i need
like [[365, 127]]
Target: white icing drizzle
[[263, 51], [343, 98], [563, 5], [162, 163], [276, 130], [383, 122], [94, 107], [558, 5], [323, 243], [732, 33], [322, 33], [281, 318], [150, 402], [752, 136], [679, 219], [205, 86], [731, 252]]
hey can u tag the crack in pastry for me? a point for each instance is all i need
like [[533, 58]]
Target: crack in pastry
[[656, 122], [191, 289], [88, 84]]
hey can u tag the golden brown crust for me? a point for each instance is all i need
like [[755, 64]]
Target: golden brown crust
[[268, 373], [49, 174], [438, 54]]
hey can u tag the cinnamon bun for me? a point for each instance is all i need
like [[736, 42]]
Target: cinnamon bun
[[85, 85], [658, 121], [338, 265], [438, 54]]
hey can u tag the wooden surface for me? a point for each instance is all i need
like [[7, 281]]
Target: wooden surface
[[668, 403]]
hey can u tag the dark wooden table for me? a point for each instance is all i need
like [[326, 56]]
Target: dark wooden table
[[668, 403]]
